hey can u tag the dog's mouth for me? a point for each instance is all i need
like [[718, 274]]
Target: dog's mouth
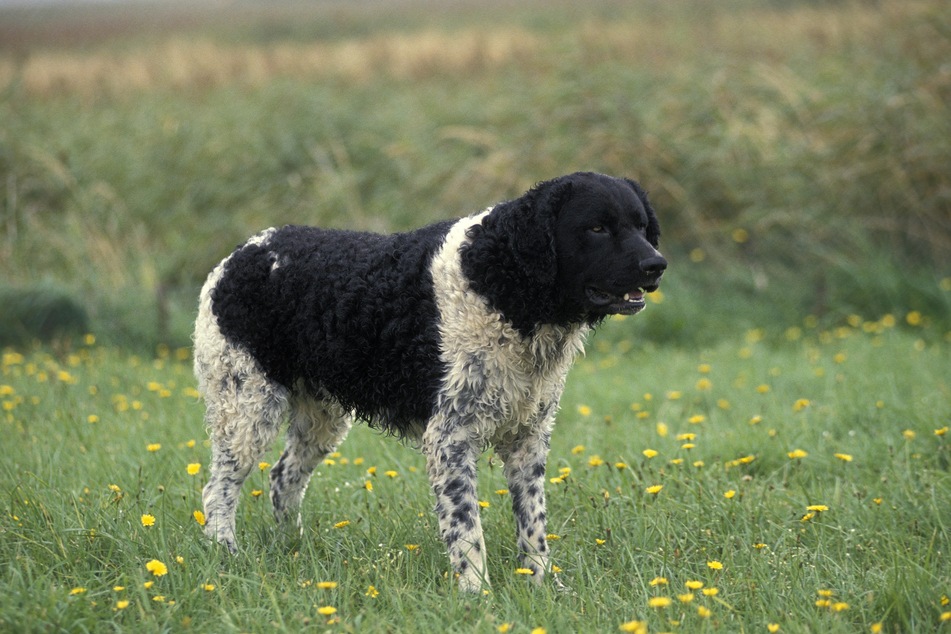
[[611, 304]]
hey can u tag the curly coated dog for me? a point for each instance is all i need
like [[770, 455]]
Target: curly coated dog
[[458, 336]]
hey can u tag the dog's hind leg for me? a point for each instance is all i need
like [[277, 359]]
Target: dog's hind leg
[[244, 413], [317, 427]]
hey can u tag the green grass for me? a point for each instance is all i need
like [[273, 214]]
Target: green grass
[[881, 547]]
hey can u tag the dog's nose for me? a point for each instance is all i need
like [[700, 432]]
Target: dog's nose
[[655, 264]]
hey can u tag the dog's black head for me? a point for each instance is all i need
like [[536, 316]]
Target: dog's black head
[[574, 249]]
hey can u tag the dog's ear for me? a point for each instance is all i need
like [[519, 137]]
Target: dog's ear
[[653, 227], [510, 259]]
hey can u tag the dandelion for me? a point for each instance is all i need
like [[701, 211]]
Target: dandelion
[[661, 429], [714, 565], [839, 606], [710, 592], [391, 473], [122, 605], [945, 617], [552, 537], [199, 517], [756, 420], [797, 454], [524, 571], [693, 584], [577, 449], [772, 627], [818, 508], [913, 318], [807, 517], [156, 567], [637, 627], [600, 542], [942, 431], [696, 419], [484, 504], [800, 404], [704, 384], [649, 453], [703, 612], [263, 466], [658, 602], [658, 581], [148, 584], [327, 610], [655, 489], [686, 436], [503, 628], [584, 410], [256, 493], [342, 524], [759, 545], [148, 520], [326, 585], [620, 466], [729, 494], [368, 486], [159, 598], [372, 592], [77, 591], [844, 457], [501, 491], [595, 461], [208, 587], [118, 588], [685, 598], [193, 468], [92, 419], [153, 447], [412, 547], [909, 434], [538, 630], [876, 628], [687, 446]]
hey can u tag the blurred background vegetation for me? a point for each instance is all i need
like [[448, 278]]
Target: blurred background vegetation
[[798, 153]]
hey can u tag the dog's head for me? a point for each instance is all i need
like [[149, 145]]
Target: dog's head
[[573, 249]]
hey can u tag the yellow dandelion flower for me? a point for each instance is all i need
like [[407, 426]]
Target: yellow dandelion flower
[[823, 603], [577, 449], [945, 617], [76, 591], [661, 429], [199, 517], [600, 542], [714, 565], [256, 493], [153, 447], [839, 606], [655, 489], [677, 461], [620, 466], [942, 431], [193, 468], [762, 388], [327, 610], [729, 494], [412, 547], [710, 592], [208, 587], [756, 420], [372, 592], [723, 404], [263, 466], [674, 395], [704, 613], [503, 628], [649, 453], [342, 524], [538, 630], [159, 598], [658, 602], [693, 584], [501, 491], [552, 537], [118, 588], [595, 461], [685, 598], [772, 627], [148, 520], [524, 571], [698, 463], [148, 584], [876, 628], [759, 545], [391, 473], [687, 446], [704, 384], [909, 434], [156, 567], [636, 627], [808, 516], [368, 486], [818, 508], [797, 454], [696, 419], [122, 605], [92, 419], [484, 504], [327, 585], [584, 410], [844, 457], [800, 404], [913, 318], [686, 436], [658, 581]]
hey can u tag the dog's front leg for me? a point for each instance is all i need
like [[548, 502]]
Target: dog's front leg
[[525, 457], [451, 457]]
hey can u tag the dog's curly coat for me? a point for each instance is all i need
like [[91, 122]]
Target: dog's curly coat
[[458, 335]]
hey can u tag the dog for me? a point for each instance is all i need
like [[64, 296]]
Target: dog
[[457, 337]]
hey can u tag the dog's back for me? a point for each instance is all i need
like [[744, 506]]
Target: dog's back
[[346, 313]]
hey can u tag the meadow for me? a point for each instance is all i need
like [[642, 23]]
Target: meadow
[[765, 449]]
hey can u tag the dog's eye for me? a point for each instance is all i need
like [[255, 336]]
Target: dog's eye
[[597, 229]]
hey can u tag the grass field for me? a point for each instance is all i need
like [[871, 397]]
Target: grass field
[[764, 449], [814, 471]]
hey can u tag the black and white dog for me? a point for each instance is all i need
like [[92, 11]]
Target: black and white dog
[[458, 336]]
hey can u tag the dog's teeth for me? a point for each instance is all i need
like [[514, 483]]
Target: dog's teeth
[[627, 297]]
